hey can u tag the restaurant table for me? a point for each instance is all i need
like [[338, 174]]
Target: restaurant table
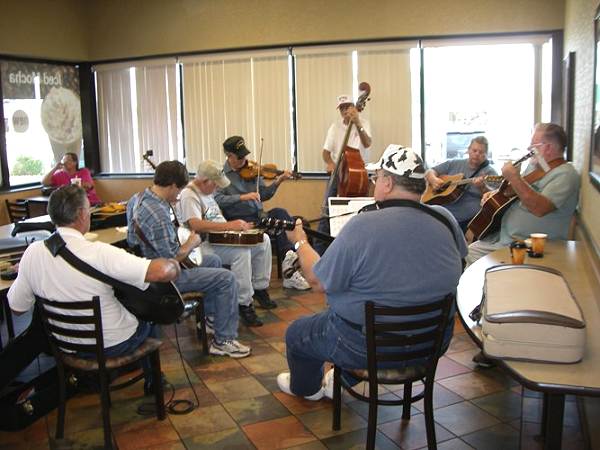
[[553, 380]]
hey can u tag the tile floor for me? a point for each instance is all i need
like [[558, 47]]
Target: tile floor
[[241, 406]]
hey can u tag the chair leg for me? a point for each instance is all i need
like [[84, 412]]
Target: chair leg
[[337, 398], [407, 400], [62, 400], [159, 395], [429, 423], [105, 402], [372, 423], [202, 321]]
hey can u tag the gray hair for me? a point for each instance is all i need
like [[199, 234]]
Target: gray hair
[[481, 140], [64, 204], [553, 133], [412, 185]]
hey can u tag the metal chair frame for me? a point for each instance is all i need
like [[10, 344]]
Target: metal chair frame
[[58, 319], [392, 341]]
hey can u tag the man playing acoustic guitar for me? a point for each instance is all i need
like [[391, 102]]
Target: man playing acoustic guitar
[[475, 167], [545, 205], [251, 265]]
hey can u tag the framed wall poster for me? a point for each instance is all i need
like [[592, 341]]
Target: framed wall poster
[[595, 142], [568, 98]]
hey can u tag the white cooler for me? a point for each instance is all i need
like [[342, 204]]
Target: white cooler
[[529, 313]]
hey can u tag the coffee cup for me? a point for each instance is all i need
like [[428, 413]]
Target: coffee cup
[[538, 241], [76, 180], [518, 249]]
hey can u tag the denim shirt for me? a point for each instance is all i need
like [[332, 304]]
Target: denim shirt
[[229, 197]]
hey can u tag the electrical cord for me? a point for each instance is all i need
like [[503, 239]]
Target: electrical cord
[[173, 406]]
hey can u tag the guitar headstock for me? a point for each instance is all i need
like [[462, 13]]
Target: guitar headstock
[[271, 223], [146, 156]]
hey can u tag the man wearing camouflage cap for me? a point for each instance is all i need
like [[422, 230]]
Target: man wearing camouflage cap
[[399, 252]]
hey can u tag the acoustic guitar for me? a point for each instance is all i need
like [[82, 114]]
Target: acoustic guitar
[[489, 217], [453, 188], [236, 238]]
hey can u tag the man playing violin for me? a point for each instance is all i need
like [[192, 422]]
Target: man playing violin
[[476, 166], [359, 138], [378, 255], [544, 206], [151, 229], [251, 265], [240, 200]]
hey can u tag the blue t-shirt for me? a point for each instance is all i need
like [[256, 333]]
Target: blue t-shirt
[[469, 203], [396, 256]]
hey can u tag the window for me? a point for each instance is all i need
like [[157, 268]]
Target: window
[[489, 88], [238, 94], [42, 112], [138, 110]]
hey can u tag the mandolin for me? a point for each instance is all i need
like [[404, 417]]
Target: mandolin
[[453, 188]]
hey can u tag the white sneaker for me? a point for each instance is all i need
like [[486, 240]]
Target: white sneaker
[[296, 281], [231, 348], [288, 265], [283, 381]]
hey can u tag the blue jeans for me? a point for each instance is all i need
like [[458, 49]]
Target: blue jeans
[[313, 340], [143, 331], [220, 294]]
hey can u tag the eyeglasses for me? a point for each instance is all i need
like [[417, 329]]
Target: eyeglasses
[[537, 145], [373, 177]]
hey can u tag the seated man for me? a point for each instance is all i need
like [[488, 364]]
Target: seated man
[[69, 210], [66, 171], [476, 166], [150, 228], [405, 256], [240, 200], [543, 206], [251, 265]]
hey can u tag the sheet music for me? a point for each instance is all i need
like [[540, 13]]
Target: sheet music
[[343, 205]]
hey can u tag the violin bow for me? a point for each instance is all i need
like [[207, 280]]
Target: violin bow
[[262, 141]]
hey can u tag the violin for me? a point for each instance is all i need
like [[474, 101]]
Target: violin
[[268, 171]]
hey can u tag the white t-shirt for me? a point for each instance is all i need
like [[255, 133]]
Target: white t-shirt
[[195, 204], [55, 279], [335, 139]]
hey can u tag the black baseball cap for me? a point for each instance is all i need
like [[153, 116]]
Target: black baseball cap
[[236, 145]]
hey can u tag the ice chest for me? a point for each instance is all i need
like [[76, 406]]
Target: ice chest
[[529, 313]]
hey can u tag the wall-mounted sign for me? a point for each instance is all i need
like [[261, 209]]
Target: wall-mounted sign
[[20, 121]]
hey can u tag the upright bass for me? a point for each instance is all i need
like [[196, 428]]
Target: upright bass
[[349, 173]]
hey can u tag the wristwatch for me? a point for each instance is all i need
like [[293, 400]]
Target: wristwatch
[[298, 244]]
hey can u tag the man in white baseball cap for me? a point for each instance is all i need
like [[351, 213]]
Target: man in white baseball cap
[[359, 138], [401, 253]]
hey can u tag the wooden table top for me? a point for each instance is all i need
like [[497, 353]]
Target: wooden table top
[[571, 259]]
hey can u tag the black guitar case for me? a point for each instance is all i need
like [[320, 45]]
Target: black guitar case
[[22, 403]]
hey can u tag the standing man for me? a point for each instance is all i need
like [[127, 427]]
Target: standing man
[[251, 265], [387, 263], [150, 228], [544, 206], [42, 274], [359, 138], [476, 166], [240, 200]]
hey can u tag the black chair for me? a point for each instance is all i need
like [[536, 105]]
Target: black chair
[[59, 319], [390, 331], [194, 301], [18, 210]]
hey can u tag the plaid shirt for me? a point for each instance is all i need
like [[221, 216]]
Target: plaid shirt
[[153, 216]]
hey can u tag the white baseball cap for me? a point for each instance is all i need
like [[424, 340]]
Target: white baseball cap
[[344, 100], [401, 161]]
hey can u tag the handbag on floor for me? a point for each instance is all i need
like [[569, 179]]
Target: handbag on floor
[[529, 313]]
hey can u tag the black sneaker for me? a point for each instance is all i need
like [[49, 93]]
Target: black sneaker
[[249, 317], [263, 299], [482, 361]]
